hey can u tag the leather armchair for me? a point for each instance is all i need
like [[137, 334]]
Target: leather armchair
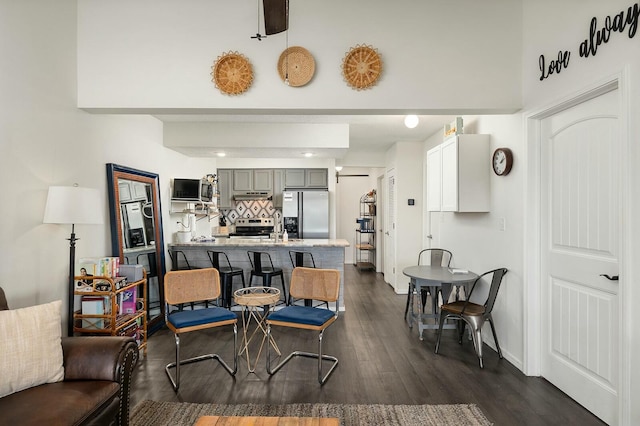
[[95, 389]]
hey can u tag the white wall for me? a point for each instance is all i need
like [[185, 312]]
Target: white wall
[[406, 159], [45, 140], [158, 54], [475, 239]]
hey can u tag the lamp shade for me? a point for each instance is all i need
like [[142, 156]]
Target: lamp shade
[[73, 205]]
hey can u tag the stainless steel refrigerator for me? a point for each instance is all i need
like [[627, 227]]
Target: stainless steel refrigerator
[[306, 213]]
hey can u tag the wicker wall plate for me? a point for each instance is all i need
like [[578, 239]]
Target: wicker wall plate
[[296, 65], [232, 73], [361, 67]]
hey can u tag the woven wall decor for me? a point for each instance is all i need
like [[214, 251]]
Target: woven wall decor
[[361, 67], [296, 66], [232, 73]]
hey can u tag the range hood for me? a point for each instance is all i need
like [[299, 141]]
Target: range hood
[[252, 195]]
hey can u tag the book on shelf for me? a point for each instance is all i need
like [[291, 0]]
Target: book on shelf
[[98, 266], [89, 267], [133, 330], [86, 269], [109, 266], [94, 305], [127, 301]]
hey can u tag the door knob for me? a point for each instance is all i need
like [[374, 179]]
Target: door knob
[[611, 278]]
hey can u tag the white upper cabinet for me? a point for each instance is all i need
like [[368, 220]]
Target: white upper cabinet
[[462, 182]]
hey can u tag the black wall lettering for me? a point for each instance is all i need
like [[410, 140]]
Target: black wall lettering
[[554, 66], [597, 37]]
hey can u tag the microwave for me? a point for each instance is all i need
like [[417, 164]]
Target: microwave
[[192, 190]]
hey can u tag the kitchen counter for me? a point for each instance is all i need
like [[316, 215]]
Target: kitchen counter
[[264, 242], [327, 253]]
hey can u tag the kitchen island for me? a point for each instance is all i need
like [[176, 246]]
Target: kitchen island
[[327, 253]]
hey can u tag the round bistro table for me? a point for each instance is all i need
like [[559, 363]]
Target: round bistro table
[[435, 277], [256, 303]]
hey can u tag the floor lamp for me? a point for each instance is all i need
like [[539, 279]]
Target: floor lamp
[[73, 205]]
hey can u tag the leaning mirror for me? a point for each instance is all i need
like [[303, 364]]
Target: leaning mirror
[[136, 231]]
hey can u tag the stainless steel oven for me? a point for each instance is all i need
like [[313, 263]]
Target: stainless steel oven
[[259, 227]]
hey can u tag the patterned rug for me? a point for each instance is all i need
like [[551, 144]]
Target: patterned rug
[[152, 413]]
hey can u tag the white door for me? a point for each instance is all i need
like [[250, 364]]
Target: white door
[[380, 224], [390, 229], [580, 184], [433, 174]]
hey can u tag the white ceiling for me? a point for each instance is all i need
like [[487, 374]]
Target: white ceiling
[[370, 134]]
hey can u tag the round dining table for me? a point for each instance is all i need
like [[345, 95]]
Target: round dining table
[[434, 278]]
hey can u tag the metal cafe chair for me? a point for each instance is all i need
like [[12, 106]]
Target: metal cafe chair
[[435, 256], [187, 286], [315, 284], [473, 314]]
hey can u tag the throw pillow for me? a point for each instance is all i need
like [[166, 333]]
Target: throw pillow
[[31, 352]]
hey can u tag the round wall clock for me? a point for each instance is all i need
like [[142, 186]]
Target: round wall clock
[[502, 161], [232, 73], [361, 67]]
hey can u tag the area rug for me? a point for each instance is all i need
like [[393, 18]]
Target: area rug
[[154, 413]]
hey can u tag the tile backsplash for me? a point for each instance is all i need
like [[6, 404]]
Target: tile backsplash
[[253, 208]]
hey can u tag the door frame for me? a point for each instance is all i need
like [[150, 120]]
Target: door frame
[[532, 231], [390, 248], [380, 224]]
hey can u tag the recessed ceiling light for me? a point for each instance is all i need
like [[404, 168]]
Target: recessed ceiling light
[[308, 154], [221, 154], [411, 121]]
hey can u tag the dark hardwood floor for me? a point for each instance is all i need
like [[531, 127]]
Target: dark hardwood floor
[[382, 361]]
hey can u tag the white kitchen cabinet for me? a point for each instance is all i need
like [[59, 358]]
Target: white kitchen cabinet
[[465, 171]]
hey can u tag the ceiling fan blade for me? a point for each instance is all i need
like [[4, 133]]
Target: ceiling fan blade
[[275, 16]]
